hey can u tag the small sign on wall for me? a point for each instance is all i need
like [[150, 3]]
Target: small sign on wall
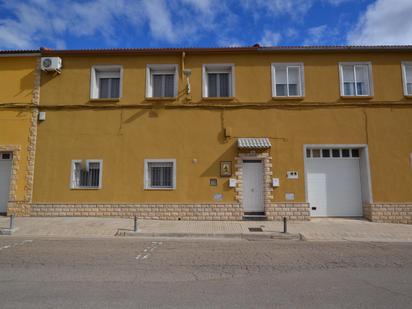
[[292, 175], [225, 168], [275, 182], [218, 197], [289, 196]]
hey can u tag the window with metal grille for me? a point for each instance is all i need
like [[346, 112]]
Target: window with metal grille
[[106, 82], [160, 174], [287, 79], [5, 156], [218, 80], [161, 80], [86, 174], [407, 77], [355, 79]]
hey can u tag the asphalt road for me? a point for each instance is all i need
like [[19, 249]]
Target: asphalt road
[[136, 273]]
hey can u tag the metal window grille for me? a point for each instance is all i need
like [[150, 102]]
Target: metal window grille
[[160, 174], [6, 156], [87, 178]]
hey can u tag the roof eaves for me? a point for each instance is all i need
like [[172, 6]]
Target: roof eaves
[[21, 52], [338, 48], [126, 51], [247, 49]]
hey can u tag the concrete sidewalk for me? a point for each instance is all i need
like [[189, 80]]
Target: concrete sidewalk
[[314, 230]]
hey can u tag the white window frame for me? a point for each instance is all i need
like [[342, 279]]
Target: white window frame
[[404, 64], [94, 83], [146, 173], [218, 68], [161, 69], [301, 78], [354, 64], [73, 169]]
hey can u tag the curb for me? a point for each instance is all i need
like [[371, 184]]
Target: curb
[[247, 236], [7, 231]]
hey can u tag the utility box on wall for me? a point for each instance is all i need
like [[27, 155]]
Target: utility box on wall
[[275, 182], [292, 175]]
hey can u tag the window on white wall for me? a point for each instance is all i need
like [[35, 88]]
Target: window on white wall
[[407, 77], [86, 174], [355, 79], [160, 174], [218, 80], [106, 82], [287, 79], [161, 80]]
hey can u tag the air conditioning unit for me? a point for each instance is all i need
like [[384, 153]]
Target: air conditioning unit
[[51, 64]]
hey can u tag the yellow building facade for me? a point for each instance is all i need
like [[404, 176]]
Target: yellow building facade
[[19, 96], [225, 134]]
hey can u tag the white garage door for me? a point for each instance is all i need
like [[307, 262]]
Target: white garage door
[[334, 182], [5, 174]]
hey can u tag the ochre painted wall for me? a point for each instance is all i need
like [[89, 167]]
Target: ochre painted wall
[[252, 76], [17, 81], [14, 130], [124, 138]]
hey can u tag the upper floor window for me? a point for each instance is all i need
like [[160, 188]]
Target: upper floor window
[[407, 77], [218, 80], [160, 174], [355, 79], [287, 79], [161, 80], [106, 82], [86, 174]]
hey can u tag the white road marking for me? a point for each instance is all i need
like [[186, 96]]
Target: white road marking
[[16, 244], [148, 250]]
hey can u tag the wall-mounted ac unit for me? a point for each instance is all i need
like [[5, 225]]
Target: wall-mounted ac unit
[[53, 64]]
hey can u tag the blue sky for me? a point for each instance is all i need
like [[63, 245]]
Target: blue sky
[[72, 24]]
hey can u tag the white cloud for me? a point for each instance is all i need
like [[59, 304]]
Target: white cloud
[[291, 33], [38, 22], [11, 40], [48, 21], [204, 6], [293, 8], [315, 35], [270, 38], [34, 23], [384, 22], [336, 2], [160, 21]]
